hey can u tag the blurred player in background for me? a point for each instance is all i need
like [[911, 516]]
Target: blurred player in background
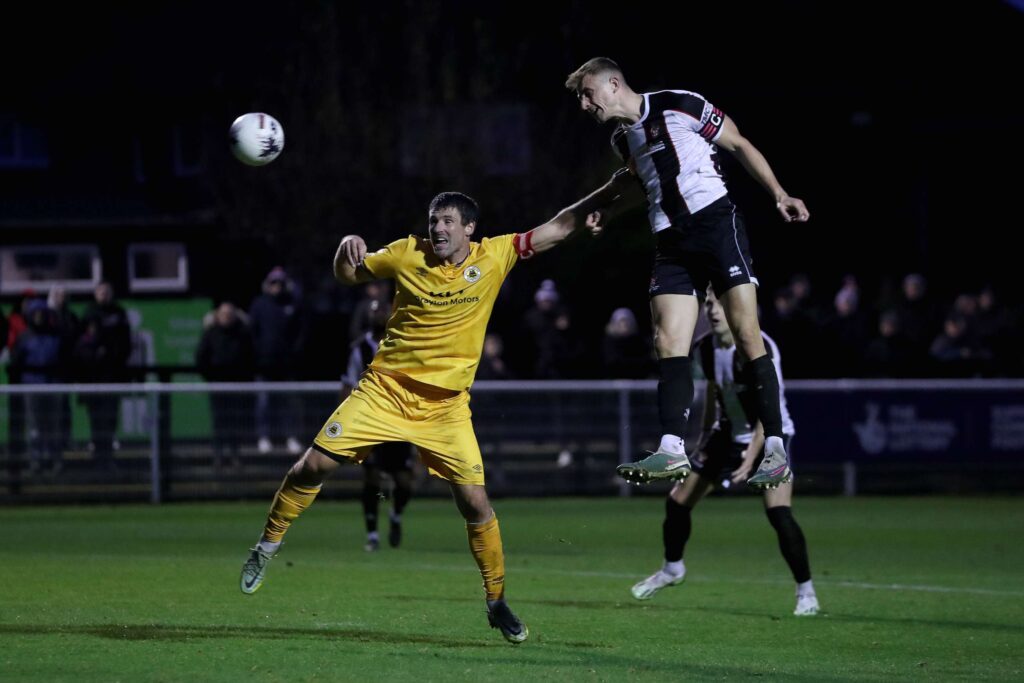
[[394, 457], [731, 441]]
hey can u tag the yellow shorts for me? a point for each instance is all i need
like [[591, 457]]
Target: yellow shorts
[[383, 408]]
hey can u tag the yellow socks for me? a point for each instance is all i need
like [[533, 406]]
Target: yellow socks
[[485, 543], [289, 502]]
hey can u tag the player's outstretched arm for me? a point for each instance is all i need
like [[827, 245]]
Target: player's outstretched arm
[[554, 232], [627, 195], [587, 212], [348, 261], [791, 208], [742, 473]]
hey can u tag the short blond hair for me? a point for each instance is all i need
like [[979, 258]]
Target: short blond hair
[[591, 67]]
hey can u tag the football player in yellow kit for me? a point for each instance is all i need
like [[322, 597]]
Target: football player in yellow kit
[[416, 389]]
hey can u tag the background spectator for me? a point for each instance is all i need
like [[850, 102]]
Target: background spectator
[[627, 355], [890, 353], [492, 361], [375, 290], [955, 353], [846, 331], [101, 355], [225, 354], [37, 353], [919, 317], [278, 331], [68, 327]]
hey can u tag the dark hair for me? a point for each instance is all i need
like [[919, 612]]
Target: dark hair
[[467, 206]]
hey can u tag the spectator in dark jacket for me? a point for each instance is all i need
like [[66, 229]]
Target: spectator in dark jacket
[[891, 353], [492, 360], [919, 317], [278, 332], [225, 354], [68, 327], [37, 353], [626, 353], [846, 329], [102, 356], [954, 352], [1000, 332]]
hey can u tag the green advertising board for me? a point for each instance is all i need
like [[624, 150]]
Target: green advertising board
[[164, 332]]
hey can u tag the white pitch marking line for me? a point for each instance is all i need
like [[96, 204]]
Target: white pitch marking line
[[899, 587]]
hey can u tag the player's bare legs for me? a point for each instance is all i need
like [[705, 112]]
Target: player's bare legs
[[674, 317], [485, 544], [740, 304], [297, 492]]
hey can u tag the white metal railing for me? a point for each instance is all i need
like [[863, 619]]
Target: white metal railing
[[619, 422]]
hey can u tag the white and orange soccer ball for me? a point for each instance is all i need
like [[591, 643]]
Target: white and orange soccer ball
[[256, 138]]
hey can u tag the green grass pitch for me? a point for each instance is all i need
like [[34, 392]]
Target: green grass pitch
[[912, 588]]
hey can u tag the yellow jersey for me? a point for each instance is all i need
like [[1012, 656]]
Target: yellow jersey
[[440, 312]]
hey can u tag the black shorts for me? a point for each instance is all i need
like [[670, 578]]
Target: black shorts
[[722, 455], [709, 246], [390, 457]]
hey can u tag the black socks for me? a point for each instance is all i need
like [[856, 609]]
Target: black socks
[[791, 542], [675, 531], [675, 394]]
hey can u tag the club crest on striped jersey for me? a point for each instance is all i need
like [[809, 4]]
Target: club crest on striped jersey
[[471, 274]]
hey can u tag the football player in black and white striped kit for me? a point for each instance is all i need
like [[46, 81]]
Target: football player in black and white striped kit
[[669, 141], [732, 442]]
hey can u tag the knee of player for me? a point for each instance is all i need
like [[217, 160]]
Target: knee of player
[[670, 343], [476, 511], [312, 468], [750, 342], [679, 494]]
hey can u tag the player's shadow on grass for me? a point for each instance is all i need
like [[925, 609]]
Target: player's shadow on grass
[[168, 632], [580, 604]]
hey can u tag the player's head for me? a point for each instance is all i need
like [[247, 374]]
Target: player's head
[[451, 220], [600, 87], [377, 314], [716, 316]]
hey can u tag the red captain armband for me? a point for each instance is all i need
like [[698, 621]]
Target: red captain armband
[[523, 243]]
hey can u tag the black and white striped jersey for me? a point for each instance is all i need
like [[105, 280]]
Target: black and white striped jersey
[[362, 352], [735, 400], [671, 149]]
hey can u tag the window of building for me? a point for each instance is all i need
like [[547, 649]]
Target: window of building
[[157, 267], [75, 267]]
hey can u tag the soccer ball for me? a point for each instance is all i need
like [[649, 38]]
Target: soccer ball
[[256, 138]]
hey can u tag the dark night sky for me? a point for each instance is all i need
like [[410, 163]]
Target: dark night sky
[[900, 131]]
